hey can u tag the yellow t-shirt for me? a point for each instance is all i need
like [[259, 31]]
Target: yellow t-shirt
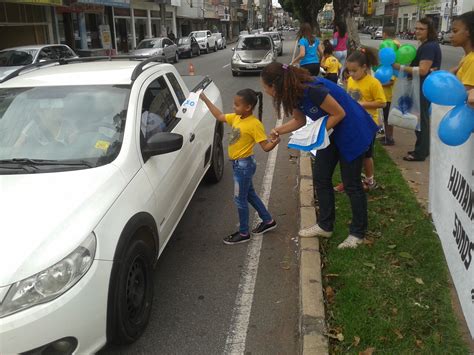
[[367, 89], [388, 89], [245, 134], [332, 65], [466, 70]]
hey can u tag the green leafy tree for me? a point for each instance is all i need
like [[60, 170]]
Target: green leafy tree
[[421, 5], [305, 10]]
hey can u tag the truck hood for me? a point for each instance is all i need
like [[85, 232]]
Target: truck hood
[[44, 217], [147, 52], [4, 71], [253, 55]]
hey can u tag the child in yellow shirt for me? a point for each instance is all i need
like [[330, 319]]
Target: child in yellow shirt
[[463, 36], [388, 32], [368, 91], [330, 62], [247, 130]]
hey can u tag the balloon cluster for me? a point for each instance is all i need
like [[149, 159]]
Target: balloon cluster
[[389, 53], [443, 88]]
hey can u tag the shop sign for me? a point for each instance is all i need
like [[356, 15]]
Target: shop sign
[[78, 8], [380, 9], [370, 7], [105, 37], [39, 2], [114, 3]]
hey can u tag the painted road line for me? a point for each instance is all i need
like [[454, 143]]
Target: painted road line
[[225, 66], [236, 337]]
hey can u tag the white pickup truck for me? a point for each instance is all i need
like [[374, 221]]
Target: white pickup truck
[[206, 40], [96, 170]]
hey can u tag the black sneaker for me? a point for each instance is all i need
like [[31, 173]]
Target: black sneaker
[[236, 238], [265, 227]]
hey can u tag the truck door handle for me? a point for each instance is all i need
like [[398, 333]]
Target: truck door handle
[[191, 137]]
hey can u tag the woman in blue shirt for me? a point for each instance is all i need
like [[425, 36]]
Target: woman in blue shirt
[[310, 49], [301, 95]]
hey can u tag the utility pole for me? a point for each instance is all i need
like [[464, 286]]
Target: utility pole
[[450, 15]]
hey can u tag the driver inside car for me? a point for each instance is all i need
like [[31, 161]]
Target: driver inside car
[[49, 125]]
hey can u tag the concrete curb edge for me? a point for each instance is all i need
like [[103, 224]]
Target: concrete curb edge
[[312, 322]]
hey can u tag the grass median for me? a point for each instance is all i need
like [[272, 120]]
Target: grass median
[[390, 295]]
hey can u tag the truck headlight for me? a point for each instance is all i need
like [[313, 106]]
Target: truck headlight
[[236, 58], [51, 282], [268, 58]]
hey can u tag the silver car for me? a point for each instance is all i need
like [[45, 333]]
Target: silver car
[[252, 54], [277, 40], [160, 46], [14, 58]]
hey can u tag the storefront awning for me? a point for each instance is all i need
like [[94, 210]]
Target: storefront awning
[[39, 2], [114, 3]]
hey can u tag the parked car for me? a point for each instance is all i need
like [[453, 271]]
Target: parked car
[[87, 210], [277, 40], [161, 47], [252, 54], [188, 47], [377, 34], [14, 58], [221, 41], [446, 37], [206, 40]]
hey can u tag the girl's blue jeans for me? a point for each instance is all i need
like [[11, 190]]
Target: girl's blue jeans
[[244, 170]]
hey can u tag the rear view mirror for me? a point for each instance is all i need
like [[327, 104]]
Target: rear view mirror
[[162, 143]]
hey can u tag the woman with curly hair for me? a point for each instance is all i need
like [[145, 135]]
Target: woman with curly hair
[[299, 94]]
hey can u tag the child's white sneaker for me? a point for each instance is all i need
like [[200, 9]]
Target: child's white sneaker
[[314, 231], [350, 242]]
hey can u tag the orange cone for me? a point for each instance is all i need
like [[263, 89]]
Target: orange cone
[[191, 69]]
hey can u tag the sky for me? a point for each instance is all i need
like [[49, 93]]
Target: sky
[[275, 3]]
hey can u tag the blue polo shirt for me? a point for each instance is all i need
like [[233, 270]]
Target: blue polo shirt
[[355, 132], [429, 50]]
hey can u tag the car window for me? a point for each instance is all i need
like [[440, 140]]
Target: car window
[[64, 52], [63, 123], [176, 87], [254, 43], [47, 53], [159, 110], [155, 43], [13, 58]]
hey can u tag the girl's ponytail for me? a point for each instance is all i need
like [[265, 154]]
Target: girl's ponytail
[[260, 104], [252, 97], [365, 56]]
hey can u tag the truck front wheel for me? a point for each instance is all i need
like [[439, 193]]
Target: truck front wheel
[[216, 170]]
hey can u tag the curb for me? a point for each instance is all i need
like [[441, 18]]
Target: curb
[[312, 322]]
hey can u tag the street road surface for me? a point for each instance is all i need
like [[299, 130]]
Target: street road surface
[[197, 277]]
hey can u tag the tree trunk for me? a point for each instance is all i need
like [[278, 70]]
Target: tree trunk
[[343, 11]]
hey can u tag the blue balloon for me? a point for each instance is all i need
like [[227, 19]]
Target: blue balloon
[[444, 88], [384, 74], [387, 56], [395, 72], [457, 125]]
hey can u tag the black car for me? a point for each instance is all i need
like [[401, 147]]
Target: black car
[[188, 47]]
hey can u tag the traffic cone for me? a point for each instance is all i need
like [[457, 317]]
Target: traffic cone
[[191, 69]]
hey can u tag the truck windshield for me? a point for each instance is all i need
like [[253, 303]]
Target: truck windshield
[[83, 123], [254, 43]]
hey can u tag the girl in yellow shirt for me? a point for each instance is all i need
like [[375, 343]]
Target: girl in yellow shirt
[[463, 36], [330, 62], [247, 130], [368, 91]]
